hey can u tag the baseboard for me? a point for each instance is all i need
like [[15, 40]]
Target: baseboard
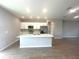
[[58, 37], [70, 37], [8, 45], [66, 37]]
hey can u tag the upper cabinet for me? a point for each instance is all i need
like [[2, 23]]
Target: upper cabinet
[[36, 25]]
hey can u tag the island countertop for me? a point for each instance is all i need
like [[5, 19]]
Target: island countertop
[[36, 35]]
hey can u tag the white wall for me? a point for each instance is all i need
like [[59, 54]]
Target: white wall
[[9, 28], [66, 29], [57, 28], [71, 29]]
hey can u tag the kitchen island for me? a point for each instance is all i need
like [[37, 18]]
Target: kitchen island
[[37, 40]]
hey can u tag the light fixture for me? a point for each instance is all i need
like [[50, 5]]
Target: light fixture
[[73, 10], [44, 10], [76, 17], [27, 10], [38, 17]]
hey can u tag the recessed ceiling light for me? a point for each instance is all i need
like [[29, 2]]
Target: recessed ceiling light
[[44, 10], [73, 10], [76, 17], [38, 17], [28, 10], [22, 17]]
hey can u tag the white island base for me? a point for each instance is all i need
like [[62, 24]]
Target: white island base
[[30, 40]]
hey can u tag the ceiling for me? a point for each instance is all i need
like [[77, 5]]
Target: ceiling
[[55, 8]]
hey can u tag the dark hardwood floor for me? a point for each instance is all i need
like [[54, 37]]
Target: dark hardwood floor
[[67, 48]]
